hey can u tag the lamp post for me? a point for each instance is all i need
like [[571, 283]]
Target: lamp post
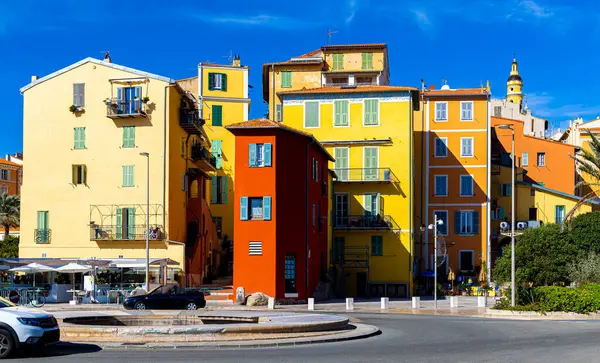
[[436, 222], [147, 155], [512, 215]]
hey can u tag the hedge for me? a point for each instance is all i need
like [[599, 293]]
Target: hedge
[[582, 300]]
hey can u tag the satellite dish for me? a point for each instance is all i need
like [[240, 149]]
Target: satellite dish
[[504, 225], [521, 225]]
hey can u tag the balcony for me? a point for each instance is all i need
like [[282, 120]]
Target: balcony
[[190, 121], [378, 223], [203, 158], [348, 84], [495, 169], [126, 233], [365, 175], [120, 108], [42, 235]]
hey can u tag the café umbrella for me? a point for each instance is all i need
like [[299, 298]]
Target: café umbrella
[[73, 268], [33, 268]]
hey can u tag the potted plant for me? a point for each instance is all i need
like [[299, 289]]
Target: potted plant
[[146, 99], [74, 108]]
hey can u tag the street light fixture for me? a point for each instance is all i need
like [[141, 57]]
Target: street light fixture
[[436, 222], [147, 155], [512, 215]]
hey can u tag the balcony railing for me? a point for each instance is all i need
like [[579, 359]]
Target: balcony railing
[[376, 222], [190, 121], [120, 108], [347, 84], [201, 154], [42, 235], [125, 233], [363, 175]]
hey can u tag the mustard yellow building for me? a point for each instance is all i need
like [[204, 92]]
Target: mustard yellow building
[[87, 128], [341, 96]]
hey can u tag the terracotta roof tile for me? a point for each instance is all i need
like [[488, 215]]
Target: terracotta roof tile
[[457, 92], [310, 54], [354, 46], [357, 89], [6, 162]]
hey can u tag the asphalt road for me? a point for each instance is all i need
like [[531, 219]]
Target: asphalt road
[[404, 338]]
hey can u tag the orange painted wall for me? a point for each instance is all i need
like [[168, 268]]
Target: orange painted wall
[[13, 183]]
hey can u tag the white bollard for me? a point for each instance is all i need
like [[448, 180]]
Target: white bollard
[[481, 301], [349, 303], [271, 305], [385, 302], [416, 302], [311, 303], [453, 301]]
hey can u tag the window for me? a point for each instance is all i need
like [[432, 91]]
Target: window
[[466, 222], [498, 111], [466, 146], [217, 152], [290, 275], [129, 100], [79, 174], [43, 227], [286, 79], [497, 214], [338, 61], [466, 260], [311, 114], [466, 186], [260, 155], [217, 81], [376, 245], [79, 94], [3, 189], [339, 81], [541, 159], [371, 162], [217, 115], [126, 224], [371, 114], [443, 216], [441, 147], [372, 204], [314, 215], [258, 208], [525, 159], [219, 190], [4, 174], [532, 192], [505, 190], [341, 113], [341, 209], [559, 213], [128, 136], [441, 111], [364, 80], [278, 114], [128, 179], [533, 214], [341, 162], [315, 169], [218, 221], [255, 249], [79, 140], [466, 111], [367, 61], [440, 185]]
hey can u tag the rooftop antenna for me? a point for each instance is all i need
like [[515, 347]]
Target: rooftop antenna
[[229, 56], [330, 32], [106, 55]]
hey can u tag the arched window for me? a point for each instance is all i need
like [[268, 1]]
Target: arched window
[[194, 189], [3, 189]]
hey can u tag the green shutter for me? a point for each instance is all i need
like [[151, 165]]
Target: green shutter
[[128, 179], [119, 223], [131, 223], [368, 205], [367, 61], [341, 113], [211, 81], [223, 82], [217, 151], [79, 138], [214, 189], [224, 189], [217, 115], [370, 162], [311, 114], [341, 163], [286, 79], [371, 112], [377, 245], [129, 136], [338, 62]]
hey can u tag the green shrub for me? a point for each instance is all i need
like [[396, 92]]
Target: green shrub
[[585, 269], [582, 300]]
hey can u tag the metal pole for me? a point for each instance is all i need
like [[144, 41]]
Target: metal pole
[[148, 223], [512, 224], [435, 224]]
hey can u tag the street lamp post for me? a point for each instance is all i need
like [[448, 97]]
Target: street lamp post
[[434, 226], [147, 155], [512, 216]]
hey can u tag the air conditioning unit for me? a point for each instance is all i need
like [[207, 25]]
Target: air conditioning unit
[[521, 225], [504, 225], [533, 224]]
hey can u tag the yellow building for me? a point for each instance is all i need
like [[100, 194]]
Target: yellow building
[[343, 100], [514, 85], [86, 128]]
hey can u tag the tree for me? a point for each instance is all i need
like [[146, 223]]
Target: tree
[[585, 232], [226, 255], [585, 269], [10, 206], [10, 247]]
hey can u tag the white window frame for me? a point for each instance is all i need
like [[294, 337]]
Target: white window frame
[[364, 110], [435, 182], [318, 115], [444, 140], [462, 151], [525, 159], [218, 77], [472, 259], [472, 179], [447, 221], [260, 155], [435, 118], [472, 111], [462, 214], [538, 159]]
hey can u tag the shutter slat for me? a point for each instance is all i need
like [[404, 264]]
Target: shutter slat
[[224, 189], [244, 208], [268, 152], [267, 208], [213, 189]]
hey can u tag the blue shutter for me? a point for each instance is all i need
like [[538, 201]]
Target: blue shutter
[[120, 107], [138, 99], [224, 189], [267, 151], [267, 208], [119, 223], [501, 214], [475, 222], [456, 222], [213, 189], [252, 162], [557, 214], [244, 208]]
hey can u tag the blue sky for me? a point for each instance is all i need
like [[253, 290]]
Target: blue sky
[[464, 41]]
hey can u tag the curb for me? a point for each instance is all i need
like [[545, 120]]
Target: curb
[[532, 315]]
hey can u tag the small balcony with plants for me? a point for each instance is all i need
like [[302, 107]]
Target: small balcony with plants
[[365, 222], [365, 175], [203, 158], [117, 108], [126, 222]]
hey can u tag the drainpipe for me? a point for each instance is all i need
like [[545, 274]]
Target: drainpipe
[[424, 252], [273, 116], [308, 210], [164, 186], [411, 259]]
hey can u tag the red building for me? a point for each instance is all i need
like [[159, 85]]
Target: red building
[[280, 218]]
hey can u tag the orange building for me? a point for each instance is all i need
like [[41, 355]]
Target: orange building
[[10, 177], [455, 160], [547, 162], [281, 210]]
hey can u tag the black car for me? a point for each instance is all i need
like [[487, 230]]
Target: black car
[[165, 297]]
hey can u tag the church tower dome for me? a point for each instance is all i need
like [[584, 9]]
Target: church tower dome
[[514, 85]]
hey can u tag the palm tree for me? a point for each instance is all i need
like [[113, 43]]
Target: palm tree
[[10, 207]]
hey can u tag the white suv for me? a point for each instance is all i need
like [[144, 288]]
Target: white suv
[[22, 328]]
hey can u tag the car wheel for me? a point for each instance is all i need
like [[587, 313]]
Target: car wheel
[[139, 306], [7, 345], [191, 306]]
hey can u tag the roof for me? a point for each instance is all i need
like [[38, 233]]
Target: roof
[[313, 53], [354, 46], [99, 62], [507, 119], [6, 162], [263, 123], [545, 189], [207, 64], [357, 89], [515, 77], [457, 92]]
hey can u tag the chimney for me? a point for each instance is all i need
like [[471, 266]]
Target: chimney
[[431, 87], [107, 57], [236, 61], [34, 78]]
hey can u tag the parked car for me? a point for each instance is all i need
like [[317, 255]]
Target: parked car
[[167, 297], [25, 329]]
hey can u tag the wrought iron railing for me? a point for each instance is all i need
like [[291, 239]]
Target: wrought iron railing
[[126, 232], [370, 222], [347, 84], [121, 107], [201, 153], [365, 175], [190, 118], [43, 235]]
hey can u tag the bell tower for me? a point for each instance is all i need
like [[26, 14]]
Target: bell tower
[[514, 85]]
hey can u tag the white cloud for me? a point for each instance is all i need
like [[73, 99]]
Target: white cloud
[[261, 20], [535, 9], [352, 5], [422, 20], [545, 105]]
